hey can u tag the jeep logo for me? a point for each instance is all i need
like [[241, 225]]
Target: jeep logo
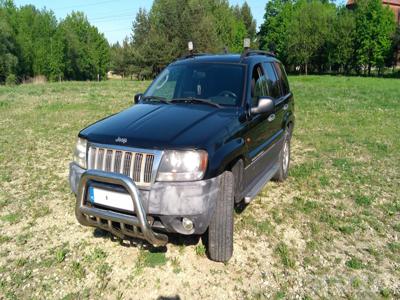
[[121, 140]]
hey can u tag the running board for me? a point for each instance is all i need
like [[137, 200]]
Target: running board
[[259, 185]]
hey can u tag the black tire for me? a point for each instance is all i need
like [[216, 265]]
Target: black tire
[[220, 231], [284, 158]]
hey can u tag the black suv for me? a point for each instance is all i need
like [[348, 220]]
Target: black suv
[[209, 132]]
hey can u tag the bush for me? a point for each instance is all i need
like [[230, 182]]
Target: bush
[[11, 80]]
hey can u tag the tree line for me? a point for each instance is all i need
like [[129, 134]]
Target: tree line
[[306, 35], [319, 36], [161, 34], [33, 43]]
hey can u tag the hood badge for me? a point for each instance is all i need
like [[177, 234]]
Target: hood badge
[[121, 140]]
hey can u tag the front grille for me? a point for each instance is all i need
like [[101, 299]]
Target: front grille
[[136, 165]]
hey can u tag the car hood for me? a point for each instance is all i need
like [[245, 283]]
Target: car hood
[[161, 126]]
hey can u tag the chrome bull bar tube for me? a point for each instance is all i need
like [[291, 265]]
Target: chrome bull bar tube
[[140, 220]]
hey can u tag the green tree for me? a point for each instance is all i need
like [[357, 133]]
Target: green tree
[[244, 14], [57, 56], [248, 20], [44, 29], [342, 36], [152, 45], [393, 59], [8, 58], [230, 30], [308, 30], [274, 32], [86, 50], [122, 58], [33, 43], [161, 35], [116, 59], [375, 27]]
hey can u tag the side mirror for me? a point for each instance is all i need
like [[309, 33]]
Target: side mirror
[[266, 105], [137, 98]]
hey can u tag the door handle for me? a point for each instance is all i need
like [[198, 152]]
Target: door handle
[[271, 117], [286, 106]]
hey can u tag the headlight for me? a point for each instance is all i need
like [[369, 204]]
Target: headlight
[[80, 152], [182, 166]]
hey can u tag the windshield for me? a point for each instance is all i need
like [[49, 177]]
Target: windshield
[[218, 83]]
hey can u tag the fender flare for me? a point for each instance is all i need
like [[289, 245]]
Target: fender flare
[[225, 156]]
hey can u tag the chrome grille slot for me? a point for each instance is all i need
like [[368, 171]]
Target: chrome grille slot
[[137, 165], [117, 163], [148, 167], [100, 156], [108, 160], [127, 164]]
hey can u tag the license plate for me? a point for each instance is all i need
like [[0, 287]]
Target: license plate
[[111, 199]]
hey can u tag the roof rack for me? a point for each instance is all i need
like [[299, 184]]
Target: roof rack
[[257, 52]]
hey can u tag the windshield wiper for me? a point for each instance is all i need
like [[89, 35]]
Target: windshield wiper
[[196, 100], [155, 99]]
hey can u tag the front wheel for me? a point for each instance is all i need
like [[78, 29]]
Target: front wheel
[[284, 158], [220, 231]]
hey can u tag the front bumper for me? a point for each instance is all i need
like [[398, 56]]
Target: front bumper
[[167, 203]]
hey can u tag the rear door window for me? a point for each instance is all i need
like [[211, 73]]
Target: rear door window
[[272, 81], [282, 78]]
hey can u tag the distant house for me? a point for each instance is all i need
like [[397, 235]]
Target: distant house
[[395, 6], [112, 75]]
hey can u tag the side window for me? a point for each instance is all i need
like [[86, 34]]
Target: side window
[[272, 81], [258, 85], [282, 78]]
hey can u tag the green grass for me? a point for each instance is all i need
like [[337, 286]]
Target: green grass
[[4, 239], [176, 265], [363, 200], [103, 270], [149, 259], [12, 218], [96, 255], [285, 255], [394, 247], [355, 263], [60, 254], [200, 250], [334, 222], [78, 270]]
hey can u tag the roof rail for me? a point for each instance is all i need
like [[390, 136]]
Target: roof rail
[[247, 53], [192, 55]]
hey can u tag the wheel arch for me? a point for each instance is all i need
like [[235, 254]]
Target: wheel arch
[[226, 157]]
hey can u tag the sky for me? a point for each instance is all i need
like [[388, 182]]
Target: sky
[[114, 17]]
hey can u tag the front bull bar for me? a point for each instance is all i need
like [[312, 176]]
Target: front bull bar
[[91, 216]]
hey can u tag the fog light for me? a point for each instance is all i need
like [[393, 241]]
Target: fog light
[[187, 224]]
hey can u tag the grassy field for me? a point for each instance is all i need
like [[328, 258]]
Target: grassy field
[[331, 231]]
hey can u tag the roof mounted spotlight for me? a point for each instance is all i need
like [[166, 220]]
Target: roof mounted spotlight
[[190, 47], [246, 45]]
